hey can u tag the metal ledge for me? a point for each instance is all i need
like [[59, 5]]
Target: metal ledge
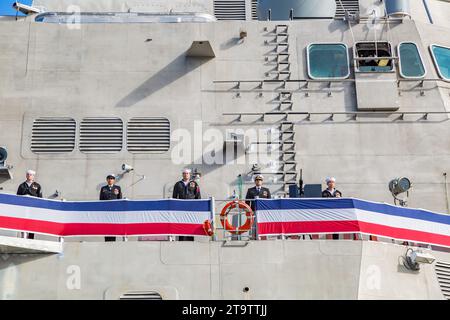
[[5, 173], [13, 245], [201, 49]]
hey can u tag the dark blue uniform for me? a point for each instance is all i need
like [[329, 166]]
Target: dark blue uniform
[[34, 189], [110, 193], [191, 190], [327, 194], [252, 193]]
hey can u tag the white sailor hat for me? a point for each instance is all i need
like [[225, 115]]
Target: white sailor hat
[[186, 170], [330, 179], [111, 176], [259, 176], [32, 172]]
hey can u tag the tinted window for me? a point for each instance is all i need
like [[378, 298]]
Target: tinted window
[[327, 61], [441, 56], [411, 65]]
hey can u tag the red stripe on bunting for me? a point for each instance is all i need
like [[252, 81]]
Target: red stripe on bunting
[[84, 229], [404, 234], [310, 227], [293, 227]]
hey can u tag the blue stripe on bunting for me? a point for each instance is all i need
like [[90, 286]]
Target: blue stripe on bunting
[[402, 212], [113, 205], [284, 204], [349, 203]]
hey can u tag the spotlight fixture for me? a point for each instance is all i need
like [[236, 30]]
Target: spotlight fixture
[[414, 258], [399, 186]]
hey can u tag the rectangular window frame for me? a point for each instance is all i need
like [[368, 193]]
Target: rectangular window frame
[[400, 62], [435, 60], [356, 64], [327, 78]]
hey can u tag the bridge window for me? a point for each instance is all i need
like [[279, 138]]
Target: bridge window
[[328, 61], [369, 57], [441, 58], [411, 64]]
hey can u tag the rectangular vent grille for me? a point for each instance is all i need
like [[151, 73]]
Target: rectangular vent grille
[[254, 9], [229, 9], [53, 135], [352, 6], [141, 295], [146, 135], [442, 270], [101, 135]]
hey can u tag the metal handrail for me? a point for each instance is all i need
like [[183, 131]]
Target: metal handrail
[[283, 81], [375, 58], [321, 81], [331, 112]]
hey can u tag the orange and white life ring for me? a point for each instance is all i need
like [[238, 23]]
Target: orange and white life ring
[[228, 226], [208, 228]]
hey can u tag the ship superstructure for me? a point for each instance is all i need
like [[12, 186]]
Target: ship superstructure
[[358, 90]]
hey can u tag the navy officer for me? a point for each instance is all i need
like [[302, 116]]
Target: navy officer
[[110, 192], [30, 188], [331, 191]]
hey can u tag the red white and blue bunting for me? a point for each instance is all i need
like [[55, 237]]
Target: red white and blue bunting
[[346, 215], [105, 218]]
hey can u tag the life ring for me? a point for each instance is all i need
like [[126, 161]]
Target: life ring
[[228, 226], [208, 228]]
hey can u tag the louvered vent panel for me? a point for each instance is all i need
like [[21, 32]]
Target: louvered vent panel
[[443, 274], [148, 135], [352, 6], [53, 135], [229, 9], [254, 9], [141, 295], [101, 135]]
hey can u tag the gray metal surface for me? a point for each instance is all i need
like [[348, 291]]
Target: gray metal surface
[[49, 70], [288, 269]]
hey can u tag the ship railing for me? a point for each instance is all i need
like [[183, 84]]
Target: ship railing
[[352, 114], [305, 83]]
